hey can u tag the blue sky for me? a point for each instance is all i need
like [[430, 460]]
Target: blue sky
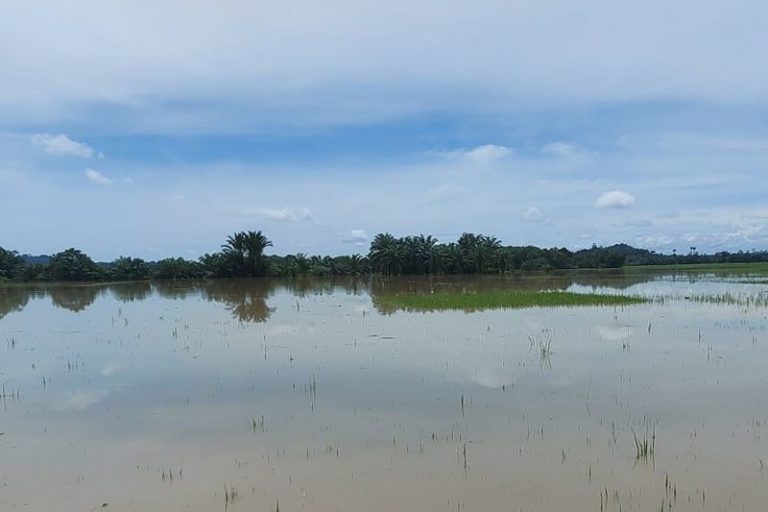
[[157, 128]]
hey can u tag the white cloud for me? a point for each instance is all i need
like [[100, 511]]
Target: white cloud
[[488, 153], [97, 177], [62, 145], [355, 236], [287, 214], [561, 149], [746, 231], [654, 241], [478, 156], [232, 52], [615, 199], [567, 150], [532, 214]]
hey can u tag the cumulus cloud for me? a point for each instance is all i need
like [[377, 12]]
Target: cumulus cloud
[[61, 144], [97, 177], [655, 241], [615, 199], [532, 214], [287, 214], [487, 154], [560, 149], [355, 236], [478, 156], [566, 150]]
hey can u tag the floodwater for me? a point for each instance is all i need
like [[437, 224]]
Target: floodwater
[[259, 395]]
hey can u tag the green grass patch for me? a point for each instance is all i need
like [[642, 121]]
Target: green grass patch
[[747, 268], [503, 300]]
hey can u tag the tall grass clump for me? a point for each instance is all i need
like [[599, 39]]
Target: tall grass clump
[[645, 445]]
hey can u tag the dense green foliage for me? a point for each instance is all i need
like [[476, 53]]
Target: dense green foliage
[[11, 264], [477, 254], [73, 265], [242, 255]]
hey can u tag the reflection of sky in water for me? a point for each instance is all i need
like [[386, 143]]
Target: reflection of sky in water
[[681, 286], [117, 385]]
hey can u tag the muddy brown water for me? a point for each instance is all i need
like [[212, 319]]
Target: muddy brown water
[[309, 395]]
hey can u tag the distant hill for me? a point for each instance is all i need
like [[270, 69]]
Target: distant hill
[[633, 255]]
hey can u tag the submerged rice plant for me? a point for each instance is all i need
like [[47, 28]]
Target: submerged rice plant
[[504, 300], [645, 446]]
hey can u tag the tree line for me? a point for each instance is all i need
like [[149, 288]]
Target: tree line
[[243, 255]]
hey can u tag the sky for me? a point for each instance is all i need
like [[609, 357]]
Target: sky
[[156, 128]]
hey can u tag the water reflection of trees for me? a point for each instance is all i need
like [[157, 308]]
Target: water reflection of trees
[[75, 298], [130, 292], [13, 298], [302, 286], [174, 290], [381, 287], [247, 299]]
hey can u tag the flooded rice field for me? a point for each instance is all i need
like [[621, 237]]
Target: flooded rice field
[[262, 395]]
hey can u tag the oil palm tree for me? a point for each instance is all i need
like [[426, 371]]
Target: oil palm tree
[[467, 248], [386, 254], [234, 251], [429, 254], [255, 243], [486, 252], [356, 264], [126, 268], [245, 251]]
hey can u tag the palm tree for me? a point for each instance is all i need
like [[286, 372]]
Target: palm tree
[[302, 262], [411, 254], [430, 254], [486, 251], [386, 254], [255, 243], [126, 268], [467, 246], [452, 260], [234, 251], [355, 264], [245, 251]]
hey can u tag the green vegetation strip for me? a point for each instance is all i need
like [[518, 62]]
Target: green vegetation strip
[[504, 300], [756, 267]]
